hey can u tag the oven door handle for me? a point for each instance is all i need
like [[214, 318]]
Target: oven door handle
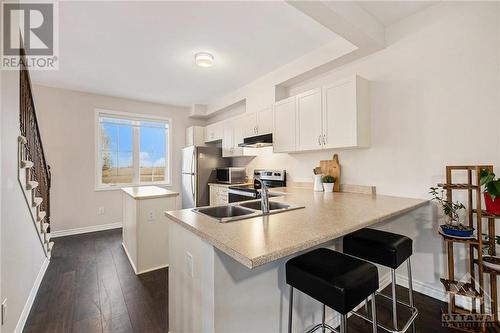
[[242, 193]]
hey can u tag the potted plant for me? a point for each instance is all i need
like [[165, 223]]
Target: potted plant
[[491, 191], [489, 260], [328, 182], [452, 226]]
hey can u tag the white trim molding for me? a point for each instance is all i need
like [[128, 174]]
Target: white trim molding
[[133, 266], [31, 297], [84, 230]]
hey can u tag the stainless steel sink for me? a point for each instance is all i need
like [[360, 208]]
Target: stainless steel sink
[[227, 213], [272, 205], [244, 210]]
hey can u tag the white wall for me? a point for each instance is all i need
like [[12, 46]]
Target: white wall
[[66, 120], [435, 96], [22, 256]]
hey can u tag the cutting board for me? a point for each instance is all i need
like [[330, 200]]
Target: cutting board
[[332, 168]]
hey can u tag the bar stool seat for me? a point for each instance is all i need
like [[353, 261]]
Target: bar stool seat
[[381, 247], [339, 281]]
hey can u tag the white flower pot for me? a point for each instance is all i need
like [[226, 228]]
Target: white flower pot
[[328, 187]]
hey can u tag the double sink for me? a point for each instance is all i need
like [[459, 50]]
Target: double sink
[[244, 210]]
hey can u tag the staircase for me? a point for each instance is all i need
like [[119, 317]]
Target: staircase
[[34, 172]]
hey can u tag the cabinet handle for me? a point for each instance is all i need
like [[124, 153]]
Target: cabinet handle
[[319, 139], [324, 139]]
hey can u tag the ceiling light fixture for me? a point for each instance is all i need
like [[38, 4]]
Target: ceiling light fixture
[[204, 59]]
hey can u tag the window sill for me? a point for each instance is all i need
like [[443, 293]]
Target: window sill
[[119, 187]]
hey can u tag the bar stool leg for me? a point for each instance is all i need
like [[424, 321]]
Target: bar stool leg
[[290, 310], [343, 323], [394, 301], [323, 319], [410, 290], [366, 308], [374, 314]]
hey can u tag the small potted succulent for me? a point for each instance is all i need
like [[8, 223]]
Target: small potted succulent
[[489, 260], [452, 226], [328, 183], [491, 191]]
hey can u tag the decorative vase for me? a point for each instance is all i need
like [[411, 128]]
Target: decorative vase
[[328, 187], [492, 206], [318, 185]]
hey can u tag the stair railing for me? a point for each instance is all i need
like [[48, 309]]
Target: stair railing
[[33, 149]]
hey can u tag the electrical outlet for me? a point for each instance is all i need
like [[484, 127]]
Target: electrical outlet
[[189, 265], [151, 216], [4, 311], [100, 211]]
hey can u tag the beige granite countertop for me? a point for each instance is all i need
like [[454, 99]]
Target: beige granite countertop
[[256, 241], [148, 192]]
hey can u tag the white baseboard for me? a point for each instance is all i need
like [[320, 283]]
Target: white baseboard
[[84, 230], [152, 269], [135, 268], [129, 259], [31, 297]]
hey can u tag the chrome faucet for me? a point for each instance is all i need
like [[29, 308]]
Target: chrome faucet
[[264, 197]]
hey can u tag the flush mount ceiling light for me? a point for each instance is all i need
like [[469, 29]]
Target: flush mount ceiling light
[[204, 59]]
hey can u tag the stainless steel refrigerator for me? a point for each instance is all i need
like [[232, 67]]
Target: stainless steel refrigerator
[[198, 169]]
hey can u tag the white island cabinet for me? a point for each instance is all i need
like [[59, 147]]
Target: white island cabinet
[[145, 231]]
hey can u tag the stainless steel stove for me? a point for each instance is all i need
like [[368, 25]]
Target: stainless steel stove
[[272, 178]]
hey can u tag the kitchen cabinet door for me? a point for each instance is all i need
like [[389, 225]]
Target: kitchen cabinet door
[[228, 139], [248, 124], [214, 132], [346, 120], [284, 125], [265, 121], [309, 122], [214, 195]]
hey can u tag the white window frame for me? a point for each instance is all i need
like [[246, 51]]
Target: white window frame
[[99, 186]]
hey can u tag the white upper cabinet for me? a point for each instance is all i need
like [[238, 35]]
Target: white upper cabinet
[[228, 139], [334, 116], [195, 136], [265, 121], [346, 114], [248, 124], [214, 132], [284, 125], [309, 125]]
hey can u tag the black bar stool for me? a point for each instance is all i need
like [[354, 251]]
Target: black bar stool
[[390, 250], [337, 280]]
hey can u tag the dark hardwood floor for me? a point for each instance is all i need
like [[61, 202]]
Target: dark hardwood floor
[[90, 287]]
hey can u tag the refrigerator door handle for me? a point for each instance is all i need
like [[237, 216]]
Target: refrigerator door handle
[[192, 161], [192, 188]]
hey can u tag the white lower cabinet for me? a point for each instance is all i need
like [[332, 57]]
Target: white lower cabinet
[[145, 233], [218, 195]]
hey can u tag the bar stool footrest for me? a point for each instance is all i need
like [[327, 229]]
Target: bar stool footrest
[[410, 321], [319, 326]]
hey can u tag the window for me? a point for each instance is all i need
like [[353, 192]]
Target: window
[[131, 149]]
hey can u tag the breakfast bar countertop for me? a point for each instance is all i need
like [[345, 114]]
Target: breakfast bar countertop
[[259, 240]]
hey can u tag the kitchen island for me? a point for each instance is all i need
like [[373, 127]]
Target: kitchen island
[[230, 277]]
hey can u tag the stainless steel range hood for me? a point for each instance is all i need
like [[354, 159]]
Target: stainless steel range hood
[[257, 141]]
